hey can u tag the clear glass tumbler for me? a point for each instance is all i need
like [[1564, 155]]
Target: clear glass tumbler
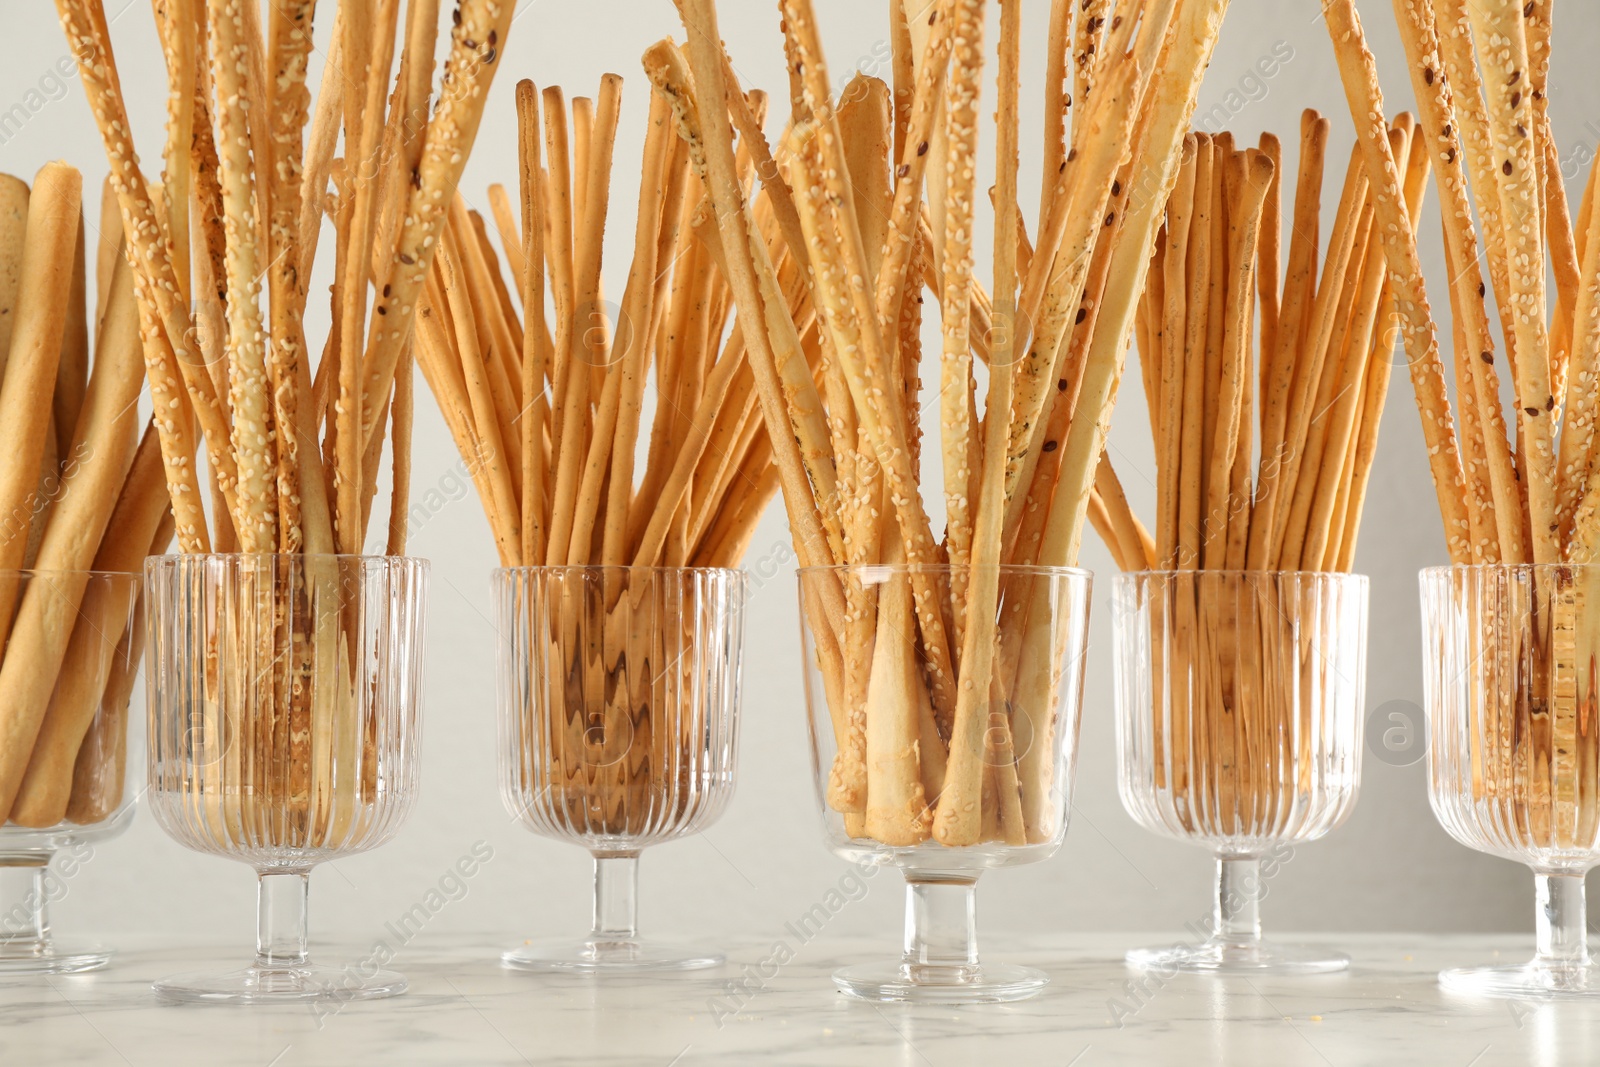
[[284, 696], [1513, 756], [70, 657], [1239, 697], [619, 701], [882, 755]]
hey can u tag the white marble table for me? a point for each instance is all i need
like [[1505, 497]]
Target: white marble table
[[464, 1009]]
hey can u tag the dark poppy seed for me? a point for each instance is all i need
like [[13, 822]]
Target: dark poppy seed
[[1083, 313], [1049, 446]]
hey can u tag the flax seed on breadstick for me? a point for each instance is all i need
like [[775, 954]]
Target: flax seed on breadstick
[[1502, 55], [1358, 72], [1173, 89], [477, 41], [1440, 122]]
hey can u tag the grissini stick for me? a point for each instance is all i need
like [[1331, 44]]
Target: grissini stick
[[1357, 71], [30, 379], [72, 372], [101, 766], [13, 228], [83, 685]]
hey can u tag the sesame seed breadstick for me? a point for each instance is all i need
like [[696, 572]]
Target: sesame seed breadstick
[[1439, 121], [1174, 87], [176, 22], [1357, 71], [77, 539], [1502, 56], [476, 41], [1057, 100], [1466, 82], [289, 107], [165, 324], [255, 506], [955, 364]]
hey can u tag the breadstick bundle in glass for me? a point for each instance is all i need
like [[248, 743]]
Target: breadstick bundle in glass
[[1240, 634], [1512, 628], [874, 196], [621, 613], [81, 504], [942, 667], [285, 676]]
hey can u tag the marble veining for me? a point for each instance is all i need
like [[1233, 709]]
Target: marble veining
[[464, 1008]]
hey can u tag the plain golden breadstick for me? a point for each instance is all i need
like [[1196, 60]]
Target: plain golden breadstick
[[30, 378], [13, 228]]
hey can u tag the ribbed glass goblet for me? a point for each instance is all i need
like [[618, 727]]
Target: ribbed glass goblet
[[619, 700], [1239, 698], [66, 679], [884, 751], [284, 699], [1513, 757]]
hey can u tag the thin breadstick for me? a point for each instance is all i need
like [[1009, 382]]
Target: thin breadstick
[[1437, 114], [13, 228], [1190, 41], [535, 357], [1357, 71], [400, 458], [477, 39], [505, 223], [255, 506], [1502, 55], [1278, 363], [1180, 209], [955, 364], [165, 323], [1254, 176], [1269, 254]]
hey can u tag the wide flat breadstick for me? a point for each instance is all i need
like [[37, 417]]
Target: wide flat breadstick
[[39, 324]]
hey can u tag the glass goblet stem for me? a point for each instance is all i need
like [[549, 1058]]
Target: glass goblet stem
[[24, 902], [616, 896], [941, 923], [1559, 918], [281, 919], [1237, 916]]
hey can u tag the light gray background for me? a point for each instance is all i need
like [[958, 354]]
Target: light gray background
[[1389, 868]]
